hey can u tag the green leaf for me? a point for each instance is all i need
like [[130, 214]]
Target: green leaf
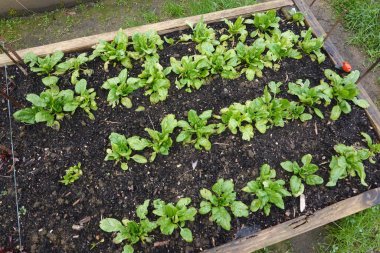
[[247, 132], [205, 207], [36, 100], [50, 80], [361, 103], [138, 143], [126, 101], [239, 209], [139, 159], [26, 115], [128, 249], [221, 217], [142, 210], [255, 205], [287, 165], [186, 234], [250, 74], [296, 186], [335, 113], [124, 166], [110, 225], [305, 117], [44, 116], [314, 180]]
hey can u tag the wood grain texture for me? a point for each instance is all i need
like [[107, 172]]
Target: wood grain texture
[[161, 27], [372, 112], [301, 224]]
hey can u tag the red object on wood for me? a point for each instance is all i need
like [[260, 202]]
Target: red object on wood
[[346, 67]]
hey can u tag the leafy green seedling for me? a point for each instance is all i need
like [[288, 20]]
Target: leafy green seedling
[[297, 17], [72, 174], [312, 46], [122, 148], [173, 216], [348, 162], [344, 90], [50, 81], [218, 200], [374, 148], [146, 44], [223, 62], [43, 65], [129, 230], [192, 71], [114, 51], [253, 58], [234, 29], [311, 96], [120, 88], [305, 173], [236, 118], [74, 65], [50, 107], [197, 125], [202, 35], [154, 79], [281, 45], [264, 21], [161, 141], [267, 190], [86, 98]]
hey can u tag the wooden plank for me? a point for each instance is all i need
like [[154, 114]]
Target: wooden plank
[[301, 224], [318, 31], [161, 27], [372, 112]]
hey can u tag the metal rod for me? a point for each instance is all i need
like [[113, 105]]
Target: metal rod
[[369, 69]]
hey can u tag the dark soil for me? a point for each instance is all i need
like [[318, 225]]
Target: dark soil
[[105, 190]]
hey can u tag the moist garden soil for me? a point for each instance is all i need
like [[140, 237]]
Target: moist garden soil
[[50, 209]]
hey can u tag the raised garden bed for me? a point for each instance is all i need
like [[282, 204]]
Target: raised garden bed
[[60, 218]]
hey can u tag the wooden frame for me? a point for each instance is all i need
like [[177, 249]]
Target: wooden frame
[[292, 227]]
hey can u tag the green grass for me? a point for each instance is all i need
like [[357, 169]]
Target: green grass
[[363, 21], [359, 233]]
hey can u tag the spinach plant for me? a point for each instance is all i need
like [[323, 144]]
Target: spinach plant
[[50, 107], [264, 22], [161, 141], [253, 58], [236, 118], [281, 45], [312, 96], [173, 216], [202, 35], [234, 29], [86, 98], [114, 51], [74, 65], [344, 90], [72, 174], [192, 71], [374, 148], [146, 44], [297, 17], [122, 148], [154, 79], [43, 65], [129, 230], [196, 131], [120, 88], [306, 173], [223, 62], [267, 190], [312, 46], [349, 161], [218, 200]]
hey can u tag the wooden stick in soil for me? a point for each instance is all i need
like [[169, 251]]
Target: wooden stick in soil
[[12, 100], [369, 69], [18, 61]]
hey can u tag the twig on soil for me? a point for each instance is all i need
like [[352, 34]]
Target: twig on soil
[[151, 122], [222, 144], [112, 122], [162, 243], [315, 128], [76, 202]]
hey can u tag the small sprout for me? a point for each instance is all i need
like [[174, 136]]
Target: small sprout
[[72, 174]]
